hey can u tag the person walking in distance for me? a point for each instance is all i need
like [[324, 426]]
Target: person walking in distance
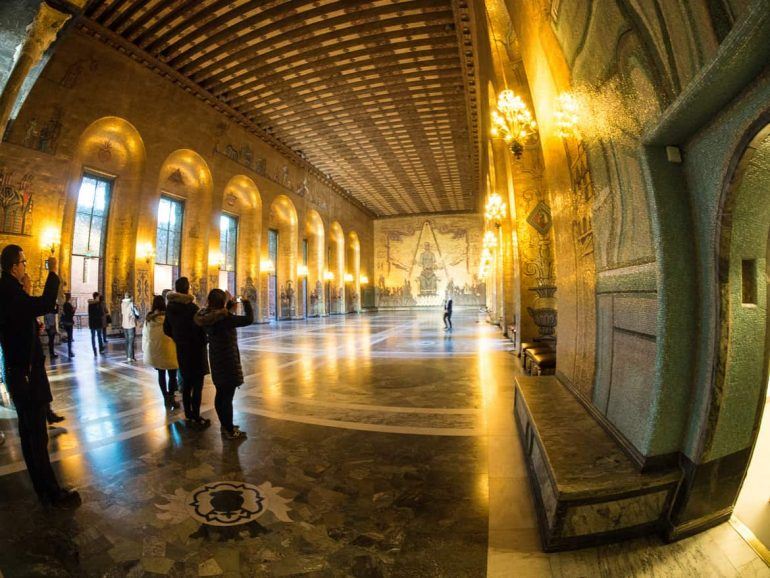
[[129, 315], [448, 313], [106, 319], [96, 322], [190, 343], [67, 321], [160, 352], [49, 319], [25, 370], [220, 323]]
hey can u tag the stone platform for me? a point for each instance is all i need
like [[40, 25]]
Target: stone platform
[[587, 491]]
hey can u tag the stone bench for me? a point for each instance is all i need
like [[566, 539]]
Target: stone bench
[[587, 491]]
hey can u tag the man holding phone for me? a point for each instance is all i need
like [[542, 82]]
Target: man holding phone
[[25, 370]]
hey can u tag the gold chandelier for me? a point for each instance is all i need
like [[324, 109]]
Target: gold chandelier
[[490, 240], [513, 122], [495, 209]]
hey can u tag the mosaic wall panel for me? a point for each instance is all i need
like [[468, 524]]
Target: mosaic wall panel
[[420, 260]]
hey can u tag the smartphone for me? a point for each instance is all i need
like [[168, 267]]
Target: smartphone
[[46, 264], [238, 299]]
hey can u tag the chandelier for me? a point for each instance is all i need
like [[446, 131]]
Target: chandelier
[[485, 264], [495, 209], [490, 240], [513, 122]]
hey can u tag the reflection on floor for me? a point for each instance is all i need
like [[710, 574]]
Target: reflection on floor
[[379, 445]]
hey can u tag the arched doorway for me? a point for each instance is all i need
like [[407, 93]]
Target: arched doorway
[[335, 278], [282, 255], [314, 234], [743, 351], [185, 186], [353, 273], [241, 199], [98, 249]]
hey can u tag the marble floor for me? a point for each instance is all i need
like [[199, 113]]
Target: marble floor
[[379, 445]]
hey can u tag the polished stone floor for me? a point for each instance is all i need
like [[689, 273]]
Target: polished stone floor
[[379, 445]]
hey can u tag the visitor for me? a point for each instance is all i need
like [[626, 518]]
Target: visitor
[[25, 370], [49, 319], [160, 352], [220, 325], [67, 321], [448, 313], [129, 315], [190, 341], [106, 319], [96, 322]]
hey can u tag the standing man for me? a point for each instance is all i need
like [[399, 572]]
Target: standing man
[[25, 370], [68, 321], [129, 315], [448, 313], [96, 321], [190, 342]]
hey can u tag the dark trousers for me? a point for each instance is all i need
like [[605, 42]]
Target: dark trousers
[[448, 320], [33, 432], [192, 389], [170, 389], [69, 330], [94, 334], [223, 403], [51, 338], [104, 333]]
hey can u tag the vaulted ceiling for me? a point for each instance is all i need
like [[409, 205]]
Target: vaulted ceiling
[[377, 95]]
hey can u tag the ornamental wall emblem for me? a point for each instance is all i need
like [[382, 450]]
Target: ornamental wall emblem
[[225, 503], [540, 218]]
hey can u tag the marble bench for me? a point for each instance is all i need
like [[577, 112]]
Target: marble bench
[[587, 491]]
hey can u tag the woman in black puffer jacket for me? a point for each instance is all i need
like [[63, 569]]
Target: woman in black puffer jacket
[[224, 358]]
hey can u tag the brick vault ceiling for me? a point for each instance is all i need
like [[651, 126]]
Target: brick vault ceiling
[[371, 93]]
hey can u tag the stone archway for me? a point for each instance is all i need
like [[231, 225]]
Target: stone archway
[[336, 267], [315, 235], [283, 220]]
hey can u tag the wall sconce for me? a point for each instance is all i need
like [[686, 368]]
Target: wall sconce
[[495, 209], [267, 266], [50, 239], [363, 279], [567, 115], [301, 270], [513, 122], [348, 278], [328, 276], [148, 252], [216, 259], [490, 240]]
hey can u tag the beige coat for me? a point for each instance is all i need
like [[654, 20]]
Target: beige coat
[[159, 349]]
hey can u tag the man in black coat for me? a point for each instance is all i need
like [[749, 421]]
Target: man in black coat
[[25, 369], [96, 321], [190, 343]]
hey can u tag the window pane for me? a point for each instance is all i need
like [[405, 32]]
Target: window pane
[[86, 194], [175, 249], [162, 249], [80, 240], [163, 213], [100, 198], [95, 239]]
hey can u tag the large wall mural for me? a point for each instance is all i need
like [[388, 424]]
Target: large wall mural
[[421, 260]]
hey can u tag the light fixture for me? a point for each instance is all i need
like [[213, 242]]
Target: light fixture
[[148, 252], [50, 239], [301, 270], [328, 276], [485, 263], [513, 122], [490, 240], [567, 115], [266, 266], [495, 209], [364, 280], [348, 278]]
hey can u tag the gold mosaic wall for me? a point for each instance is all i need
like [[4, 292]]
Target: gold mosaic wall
[[420, 260]]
